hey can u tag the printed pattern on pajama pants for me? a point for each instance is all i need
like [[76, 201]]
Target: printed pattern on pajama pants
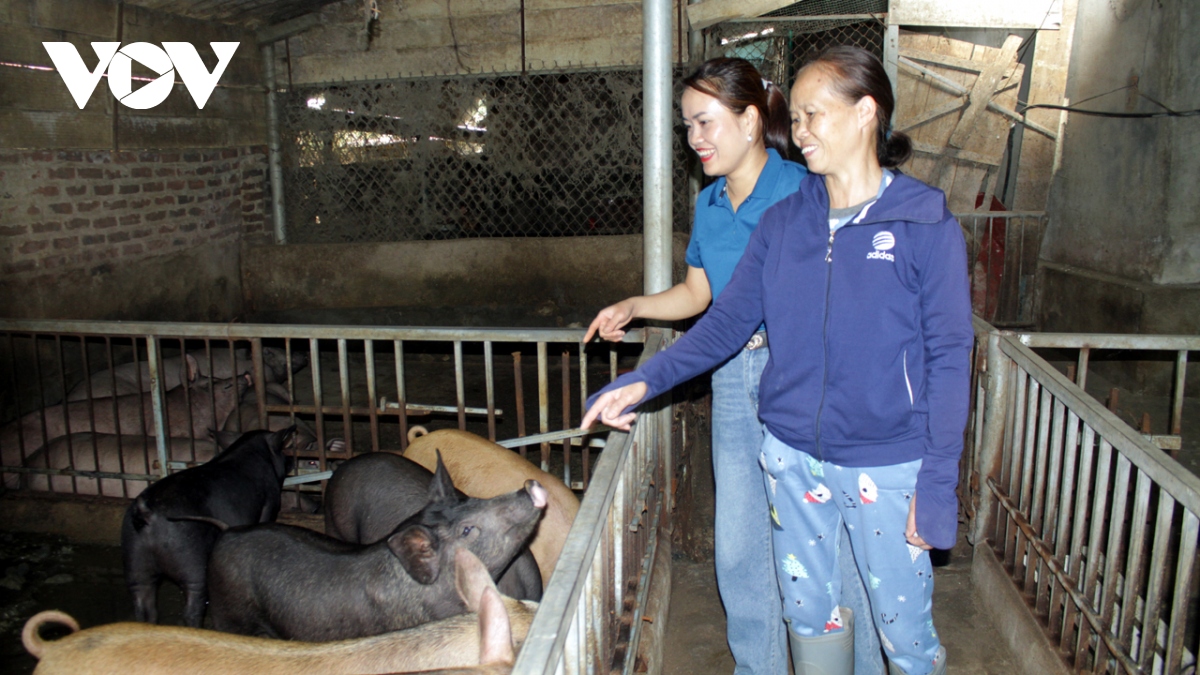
[[810, 499]]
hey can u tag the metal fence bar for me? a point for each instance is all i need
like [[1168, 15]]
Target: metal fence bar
[[1094, 521]]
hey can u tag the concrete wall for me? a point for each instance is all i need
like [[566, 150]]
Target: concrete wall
[[1122, 249], [576, 276], [468, 36], [1125, 200], [115, 213]]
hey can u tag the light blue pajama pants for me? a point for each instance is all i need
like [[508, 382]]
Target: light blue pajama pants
[[810, 501]]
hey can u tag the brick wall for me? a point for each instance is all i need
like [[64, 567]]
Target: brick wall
[[63, 212]]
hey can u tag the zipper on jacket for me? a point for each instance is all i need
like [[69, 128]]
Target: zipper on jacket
[[825, 346]]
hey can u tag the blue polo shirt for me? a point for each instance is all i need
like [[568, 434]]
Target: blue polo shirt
[[719, 236]]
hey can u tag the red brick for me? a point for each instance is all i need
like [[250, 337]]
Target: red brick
[[141, 234], [114, 174], [118, 237], [133, 249], [152, 187], [91, 173], [176, 184], [70, 156], [41, 156], [139, 203], [62, 207], [195, 184], [17, 268], [33, 246], [163, 173], [84, 207], [169, 157], [167, 199], [42, 228], [129, 189], [148, 157], [124, 157], [67, 173], [188, 227], [130, 219], [102, 189], [118, 204], [90, 239], [156, 216], [77, 223], [76, 190], [54, 261], [141, 172], [204, 170], [12, 230], [47, 190], [195, 211], [157, 244], [191, 157], [66, 242], [101, 223], [177, 213], [13, 158], [229, 153], [99, 157]]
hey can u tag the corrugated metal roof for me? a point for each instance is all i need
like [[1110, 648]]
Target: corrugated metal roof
[[249, 13]]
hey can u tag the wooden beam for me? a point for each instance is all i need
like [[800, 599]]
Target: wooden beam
[[958, 90], [953, 153], [934, 113], [983, 91], [709, 12]]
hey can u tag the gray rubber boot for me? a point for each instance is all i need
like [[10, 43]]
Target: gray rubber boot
[[827, 654], [939, 669]]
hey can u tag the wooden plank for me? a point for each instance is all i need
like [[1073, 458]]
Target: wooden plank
[[1048, 84], [983, 91], [966, 65], [709, 12], [932, 114], [955, 13], [49, 130], [610, 50], [581, 23], [390, 13]]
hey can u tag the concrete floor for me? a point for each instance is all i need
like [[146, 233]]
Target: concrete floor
[[695, 638]]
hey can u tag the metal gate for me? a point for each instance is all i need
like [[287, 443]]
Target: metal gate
[[1097, 527]]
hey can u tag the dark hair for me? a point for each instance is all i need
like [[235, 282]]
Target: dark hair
[[737, 84], [858, 73]]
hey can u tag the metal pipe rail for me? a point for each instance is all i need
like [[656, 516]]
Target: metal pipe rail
[[357, 381], [1098, 527], [1086, 343], [589, 620]]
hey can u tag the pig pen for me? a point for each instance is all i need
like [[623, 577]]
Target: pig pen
[[523, 387]]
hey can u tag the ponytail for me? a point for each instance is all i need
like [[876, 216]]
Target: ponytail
[[776, 120]]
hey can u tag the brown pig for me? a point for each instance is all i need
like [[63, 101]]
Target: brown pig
[[481, 641], [483, 469], [211, 401]]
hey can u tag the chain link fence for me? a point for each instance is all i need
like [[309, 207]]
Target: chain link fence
[[781, 42], [448, 157], [548, 153]]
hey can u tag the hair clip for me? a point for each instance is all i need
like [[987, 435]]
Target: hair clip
[[766, 83]]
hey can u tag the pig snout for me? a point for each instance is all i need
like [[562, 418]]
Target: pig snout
[[537, 493]]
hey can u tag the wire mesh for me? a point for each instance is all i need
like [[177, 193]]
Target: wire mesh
[[448, 157]]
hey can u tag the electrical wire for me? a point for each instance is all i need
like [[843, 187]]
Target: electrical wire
[[1106, 113]]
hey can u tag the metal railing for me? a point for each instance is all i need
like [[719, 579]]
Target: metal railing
[[1097, 526], [1002, 254], [1132, 348], [359, 384], [590, 618]]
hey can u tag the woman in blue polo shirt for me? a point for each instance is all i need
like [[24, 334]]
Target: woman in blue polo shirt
[[738, 125]]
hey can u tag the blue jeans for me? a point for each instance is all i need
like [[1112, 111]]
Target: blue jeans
[[746, 576], [811, 500]]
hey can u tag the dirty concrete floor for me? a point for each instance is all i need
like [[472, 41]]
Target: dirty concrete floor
[[695, 639]]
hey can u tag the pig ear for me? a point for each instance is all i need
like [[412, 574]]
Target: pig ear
[[495, 631], [417, 549], [471, 578], [441, 488]]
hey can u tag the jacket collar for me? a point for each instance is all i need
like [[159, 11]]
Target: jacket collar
[[763, 187], [906, 199]]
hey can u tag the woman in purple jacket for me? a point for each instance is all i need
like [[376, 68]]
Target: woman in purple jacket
[[861, 280]]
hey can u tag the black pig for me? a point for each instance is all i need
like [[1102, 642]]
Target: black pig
[[292, 583], [240, 486], [371, 493]]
